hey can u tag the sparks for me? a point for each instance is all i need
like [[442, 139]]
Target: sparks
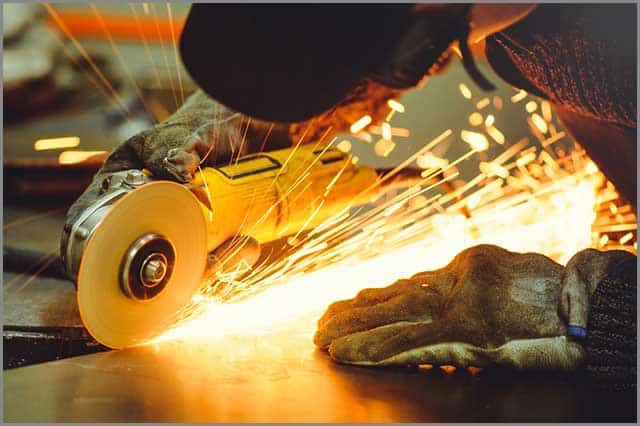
[[344, 145], [546, 110], [475, 119], [359, 125], [56, 143], [540, 123], [626, 238], [430, 161], [527, 198], [465, 91], [395, 105], [477, 141], [531, 107], [483, 103], [519, 96], [496, 134], [383, 147], [489, 120], [386, 131], [76, 157]]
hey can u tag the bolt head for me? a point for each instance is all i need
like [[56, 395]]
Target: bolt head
[[135, 177]]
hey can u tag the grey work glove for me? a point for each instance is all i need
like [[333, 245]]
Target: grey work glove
[[200, 133], [487, 307]]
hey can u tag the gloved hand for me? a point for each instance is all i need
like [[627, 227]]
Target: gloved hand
[[487, 307], [200, 133]]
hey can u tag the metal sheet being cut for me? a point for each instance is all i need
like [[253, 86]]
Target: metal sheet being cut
[[113, 316]]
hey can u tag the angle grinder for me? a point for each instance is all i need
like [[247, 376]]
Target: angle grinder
[[139, 253]]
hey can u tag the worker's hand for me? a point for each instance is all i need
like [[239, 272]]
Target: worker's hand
[[200, 133], [487, 307], [582, 274]]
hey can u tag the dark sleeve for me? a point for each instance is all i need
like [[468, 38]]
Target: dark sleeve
[[612, 345], [581, 57]]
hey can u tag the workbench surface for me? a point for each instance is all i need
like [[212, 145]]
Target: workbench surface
[[280, 377], [276, 376]]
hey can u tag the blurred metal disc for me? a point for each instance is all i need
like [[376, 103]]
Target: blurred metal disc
[[164, 209]]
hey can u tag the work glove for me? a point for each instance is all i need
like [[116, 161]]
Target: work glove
[[488, 307], [200, 133]]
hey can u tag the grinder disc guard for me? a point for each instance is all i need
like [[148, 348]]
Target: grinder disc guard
[[142, 264]]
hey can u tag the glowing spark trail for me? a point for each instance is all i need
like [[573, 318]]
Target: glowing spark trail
[[529, 197], [395, 105], [360, 124], [465, 91], [56, 143], [75, 157]]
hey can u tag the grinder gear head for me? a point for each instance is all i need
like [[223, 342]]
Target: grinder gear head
[[138, 254]]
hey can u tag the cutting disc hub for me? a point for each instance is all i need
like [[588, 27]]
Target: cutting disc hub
[[147, 267]]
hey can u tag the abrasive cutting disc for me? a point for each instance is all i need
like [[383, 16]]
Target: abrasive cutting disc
[[162, 208]]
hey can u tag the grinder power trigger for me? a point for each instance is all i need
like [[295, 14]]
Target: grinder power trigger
[[140, 252]]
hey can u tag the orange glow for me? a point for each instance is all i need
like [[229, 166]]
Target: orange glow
[[383, 147], [591, 167], [75, 157], [360, 124], [395, 105], [525, 159], [519, 96], [430, 161], [546, 110], [526, 199], [531, 106], [626, 238], [540, 123], [465, 91], [496, 134], [489, 120], [475, 119], [390, 115], [477, 141], [395, 131], [86, 25], [603, 240], [492, 169], [555, 220], [364, 136], [56, 143], [344, 146], [386, 131], [483, 103]]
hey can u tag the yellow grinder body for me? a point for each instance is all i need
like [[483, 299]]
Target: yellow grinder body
[[271, 195], [139, 254]]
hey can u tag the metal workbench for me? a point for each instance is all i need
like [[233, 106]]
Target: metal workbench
[[278, 376], [281, 377]]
